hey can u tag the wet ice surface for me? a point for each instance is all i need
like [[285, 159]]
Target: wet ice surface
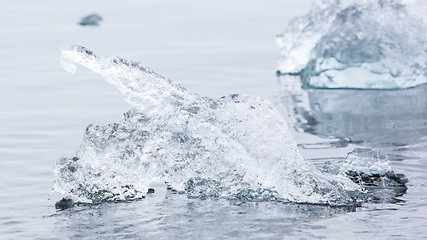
[[45, 110], [367, 167], [233, 147], [364, 44]]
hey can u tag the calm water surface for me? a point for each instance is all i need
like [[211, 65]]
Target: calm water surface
[[213, 48]]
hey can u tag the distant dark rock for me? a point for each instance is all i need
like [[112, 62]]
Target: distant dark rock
[[91, 20]]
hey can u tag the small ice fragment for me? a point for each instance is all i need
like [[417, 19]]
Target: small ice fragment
[[369, 168]]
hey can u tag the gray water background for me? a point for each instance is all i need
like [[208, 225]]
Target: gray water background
[[212, 48]]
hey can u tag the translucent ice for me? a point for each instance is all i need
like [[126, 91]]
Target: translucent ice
[[368, 167], [302, 34], [368, 44], [234, 147]]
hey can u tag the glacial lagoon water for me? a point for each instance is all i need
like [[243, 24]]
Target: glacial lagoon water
[[213, 49]]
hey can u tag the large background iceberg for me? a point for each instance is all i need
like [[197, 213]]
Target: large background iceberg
[[368, 44]]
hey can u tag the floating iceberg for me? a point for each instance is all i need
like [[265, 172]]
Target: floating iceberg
[[368, 44], [234, 147]]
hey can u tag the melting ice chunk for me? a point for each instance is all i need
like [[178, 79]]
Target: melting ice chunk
[[368, 44], [235, 147], [369, 168]]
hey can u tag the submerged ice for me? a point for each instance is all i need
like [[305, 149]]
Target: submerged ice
[[367, 44], [234, 147]]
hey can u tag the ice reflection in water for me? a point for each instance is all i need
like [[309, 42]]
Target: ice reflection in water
[[165, 215], [375, 117]]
